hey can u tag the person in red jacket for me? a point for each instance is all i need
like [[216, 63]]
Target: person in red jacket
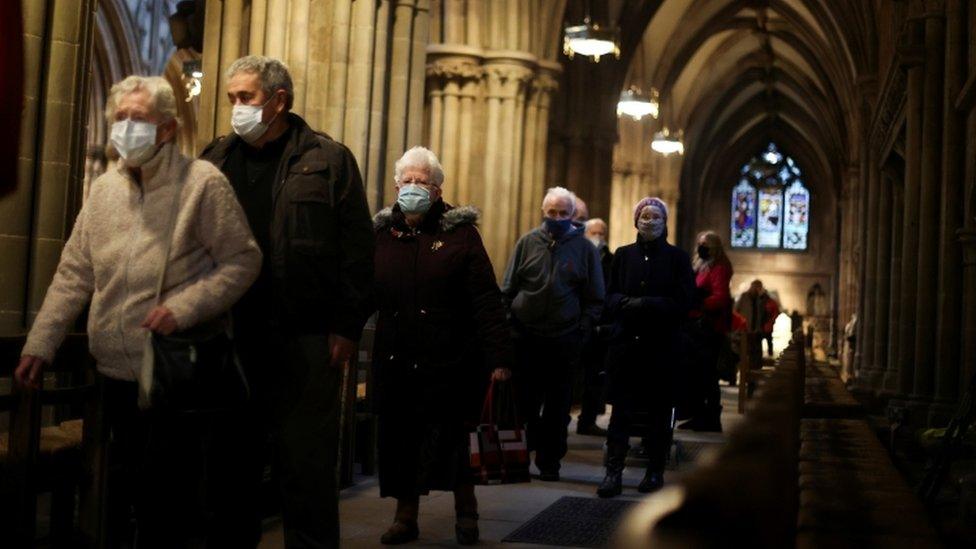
[[713, 271]]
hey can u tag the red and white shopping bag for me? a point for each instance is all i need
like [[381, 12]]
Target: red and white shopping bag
[[497, 449]]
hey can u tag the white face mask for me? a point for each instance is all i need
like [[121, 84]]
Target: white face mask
[[596, 241], [246, 120], [135, 140]]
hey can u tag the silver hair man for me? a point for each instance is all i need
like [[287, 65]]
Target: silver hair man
[[557, 194]]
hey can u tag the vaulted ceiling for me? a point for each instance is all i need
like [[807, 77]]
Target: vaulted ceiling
[[735, 74]]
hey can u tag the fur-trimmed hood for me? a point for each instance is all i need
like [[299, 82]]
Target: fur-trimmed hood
[[451, 219]]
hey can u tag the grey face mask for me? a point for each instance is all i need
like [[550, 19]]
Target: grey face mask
[[650, 229]]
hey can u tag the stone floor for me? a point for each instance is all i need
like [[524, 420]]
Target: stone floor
[[365, 516]]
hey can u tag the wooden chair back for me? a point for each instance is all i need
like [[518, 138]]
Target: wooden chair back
[[71, 380]]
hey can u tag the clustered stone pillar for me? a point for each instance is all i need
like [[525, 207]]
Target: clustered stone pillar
[[357, 69], [950, 284], [913, 60], [889, 385], [928, 209], [917, 332], [882, 297], [638, 172], [36, 219], [487, 120], [868, 367]]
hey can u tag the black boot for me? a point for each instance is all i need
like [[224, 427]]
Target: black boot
[[653, 480], [612, 483]]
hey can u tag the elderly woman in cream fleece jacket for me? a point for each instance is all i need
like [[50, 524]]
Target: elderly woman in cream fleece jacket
[[116, 249], [113, 259]]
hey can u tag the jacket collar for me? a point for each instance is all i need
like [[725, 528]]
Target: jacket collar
[[576, 229], [651, 245], [164, 168], [302, 139]]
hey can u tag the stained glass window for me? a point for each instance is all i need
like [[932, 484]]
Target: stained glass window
[[744, 215], [770, 204]]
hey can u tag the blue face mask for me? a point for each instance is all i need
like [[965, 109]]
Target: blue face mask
[[558, 227], [414, 199]]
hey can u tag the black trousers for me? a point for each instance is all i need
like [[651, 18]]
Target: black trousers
[[592, 401], [545, 378], [294, 415], [169, 472], [656, 428]]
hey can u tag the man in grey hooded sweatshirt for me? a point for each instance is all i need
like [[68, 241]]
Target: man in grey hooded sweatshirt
[[554, 289]]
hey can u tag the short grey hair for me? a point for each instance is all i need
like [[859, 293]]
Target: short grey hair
[[562, 192], [273, 73], [161, 96], [423, 158]]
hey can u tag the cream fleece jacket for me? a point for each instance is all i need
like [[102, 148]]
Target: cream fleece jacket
[[116, 249]]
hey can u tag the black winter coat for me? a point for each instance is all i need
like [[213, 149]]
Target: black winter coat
[[321, 252], [651, 290], [440, 332]]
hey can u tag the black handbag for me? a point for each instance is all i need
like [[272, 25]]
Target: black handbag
[[191, 371], [194, 374]]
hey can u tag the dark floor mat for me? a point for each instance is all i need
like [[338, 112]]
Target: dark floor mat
[[573, 522]]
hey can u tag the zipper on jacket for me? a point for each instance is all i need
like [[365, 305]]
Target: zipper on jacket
[[128, 263]]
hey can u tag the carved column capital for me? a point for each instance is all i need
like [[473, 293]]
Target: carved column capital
[[454, 68]]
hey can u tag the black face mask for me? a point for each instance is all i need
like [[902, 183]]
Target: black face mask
[[703, 252]]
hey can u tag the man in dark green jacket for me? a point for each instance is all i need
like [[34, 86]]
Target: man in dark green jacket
[[299, 324]]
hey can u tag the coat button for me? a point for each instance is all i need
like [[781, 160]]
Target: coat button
[[305, 169], [637, 338], [415, 366], [423, 312], [391, 357]]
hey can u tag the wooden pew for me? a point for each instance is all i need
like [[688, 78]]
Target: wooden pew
[[57, 458], [751, 370], [785, 479]]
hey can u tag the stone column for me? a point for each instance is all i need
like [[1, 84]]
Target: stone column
[[543, 87], [950, 266], [454, 78], [52, 151], [891, 365], [912, 59], [867, 369], [928, 205], [509, 74], [15, 208], [357, 70], [967, 241], [882, 291], [223, 42]]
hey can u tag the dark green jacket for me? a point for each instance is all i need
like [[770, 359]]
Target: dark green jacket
[[322, 236]]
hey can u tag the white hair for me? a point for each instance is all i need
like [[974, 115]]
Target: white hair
[[562, 192], [273, 74], [161, 97], [422, 158], [590, 222]]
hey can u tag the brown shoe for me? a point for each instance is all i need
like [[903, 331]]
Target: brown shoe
[[399, 533]]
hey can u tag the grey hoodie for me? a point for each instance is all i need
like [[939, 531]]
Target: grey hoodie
[[554, 288]]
